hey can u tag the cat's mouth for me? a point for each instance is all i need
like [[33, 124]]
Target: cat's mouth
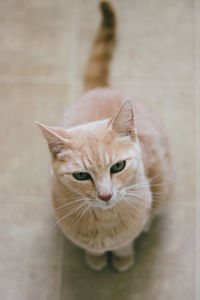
[[107, 205], [104, 204]]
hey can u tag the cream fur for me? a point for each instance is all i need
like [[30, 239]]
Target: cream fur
[[94, 148], [97, 131]]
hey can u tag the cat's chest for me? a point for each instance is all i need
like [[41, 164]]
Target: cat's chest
[[106, 233]]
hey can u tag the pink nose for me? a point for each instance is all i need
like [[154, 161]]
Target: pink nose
[[105, 197]]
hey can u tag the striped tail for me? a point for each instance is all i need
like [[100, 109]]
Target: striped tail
[[97, 72]]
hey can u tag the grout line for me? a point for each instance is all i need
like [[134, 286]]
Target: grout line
[[115, 83], [153, 83], [74, 42], [60, 266], [197, 128], [35, 81], [24, 197]]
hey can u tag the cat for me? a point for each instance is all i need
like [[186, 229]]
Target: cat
[[111, 163]]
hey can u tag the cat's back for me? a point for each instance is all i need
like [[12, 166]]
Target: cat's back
[[103, 103], [97, 104]]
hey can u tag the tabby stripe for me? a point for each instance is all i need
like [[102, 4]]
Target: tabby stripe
[[97, 72]]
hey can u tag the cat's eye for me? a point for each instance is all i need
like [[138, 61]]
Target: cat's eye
[[81, 176], [118, 167]]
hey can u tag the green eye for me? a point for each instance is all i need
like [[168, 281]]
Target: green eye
[[118, 167], [82, 176]]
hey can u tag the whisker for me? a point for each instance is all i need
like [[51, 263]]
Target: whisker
[[143, 193], [140, 185], [136, 185], [142, 204], [145, 204], [139, 196], [135, 197], [82, 213], [155, 196], [147, 182], [79, 213], [132, 204], [66, 204], [68, 214]]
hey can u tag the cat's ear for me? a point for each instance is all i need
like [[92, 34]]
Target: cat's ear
[[54, 136], [123, 120]]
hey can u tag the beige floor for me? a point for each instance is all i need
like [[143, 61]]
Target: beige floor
[[43, 51]]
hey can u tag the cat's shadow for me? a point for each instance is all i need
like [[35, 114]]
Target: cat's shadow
[[80, 282]]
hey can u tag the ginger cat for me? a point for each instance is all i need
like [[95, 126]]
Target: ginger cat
[[110, 163]]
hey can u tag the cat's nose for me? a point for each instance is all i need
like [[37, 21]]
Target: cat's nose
[[105, 197]]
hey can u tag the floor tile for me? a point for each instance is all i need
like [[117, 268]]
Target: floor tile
[[27, 227], [29, 250], [156, 42], [24, 153], [44, 50], [37, 40]]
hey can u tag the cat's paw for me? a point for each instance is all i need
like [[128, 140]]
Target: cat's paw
[[96, 262], [122, 263]]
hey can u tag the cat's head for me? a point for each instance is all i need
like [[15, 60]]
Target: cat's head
[[97, 160]]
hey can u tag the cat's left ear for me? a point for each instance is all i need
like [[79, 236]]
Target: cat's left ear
[[123, 121], [55, 137]]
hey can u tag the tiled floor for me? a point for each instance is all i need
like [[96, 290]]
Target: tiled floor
[[43, 52]]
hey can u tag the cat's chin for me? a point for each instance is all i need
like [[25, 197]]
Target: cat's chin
[[106, 205]]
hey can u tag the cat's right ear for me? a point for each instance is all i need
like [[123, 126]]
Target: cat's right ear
[[55, 137], [123, 121]]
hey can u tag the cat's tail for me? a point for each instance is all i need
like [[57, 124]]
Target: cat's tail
[[97, 72]]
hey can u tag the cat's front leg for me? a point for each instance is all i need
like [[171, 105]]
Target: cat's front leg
[[123, 257], [96, 261]]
